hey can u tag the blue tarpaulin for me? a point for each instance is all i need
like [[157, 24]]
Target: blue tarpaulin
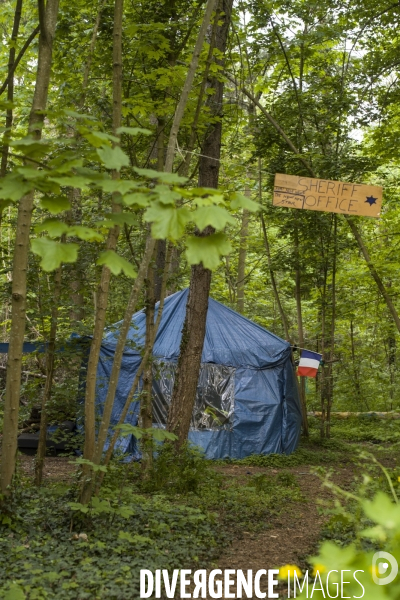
[[247, 399]]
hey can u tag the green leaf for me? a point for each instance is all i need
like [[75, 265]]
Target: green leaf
[[85, 233], [134, 539], [209, 200], [122, 186], [118, 219], [161, 434], [55, 205], [113, 158], [4, 204], [78, 507], [239, 200], [139, 198], [116, 263], [167, 222], [217, 216], [207, 250], [165, 177], [54, 253], [94, 466], [14, 592], [31, 173], [75, 181], [165, 195], [128, 429], [13, 187], [101, 506], [77, 115], [54, 227], [133, 130], [125, 511], [382, 511], [97, 138], [31, 147]]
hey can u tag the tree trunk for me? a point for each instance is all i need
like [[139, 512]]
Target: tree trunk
[[20, 260], [104, 286], [300, 328], [374, 272], [77, 312], [161, 244], [10, 87], [41, 451], [244, 231], [143, 365], [323, 381], [355, 363], [180, 109], [273, 282], [332, 336], [146, 407], [193, 332]]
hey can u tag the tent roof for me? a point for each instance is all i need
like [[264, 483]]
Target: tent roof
[[230, 339]]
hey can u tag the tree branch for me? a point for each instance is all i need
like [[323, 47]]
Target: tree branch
[[18, 59]]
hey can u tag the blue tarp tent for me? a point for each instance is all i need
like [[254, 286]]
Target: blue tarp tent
[[247, 400]]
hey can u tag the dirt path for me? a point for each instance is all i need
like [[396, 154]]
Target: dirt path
[[291, 537]]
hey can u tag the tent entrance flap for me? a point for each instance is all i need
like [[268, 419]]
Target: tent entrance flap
[[214, 404]]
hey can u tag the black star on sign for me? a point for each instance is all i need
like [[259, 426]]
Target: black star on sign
[[371, 200]]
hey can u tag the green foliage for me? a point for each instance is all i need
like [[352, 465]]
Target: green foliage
[[113, 158], [53, 254], [371, 524], [159, 435], [177, 472], [309, 453], [116, 263], [100, 556], [207, 250]]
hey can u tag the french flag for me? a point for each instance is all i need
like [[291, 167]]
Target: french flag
[[309, 363]]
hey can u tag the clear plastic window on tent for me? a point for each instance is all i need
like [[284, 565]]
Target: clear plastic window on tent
[[214, 402]]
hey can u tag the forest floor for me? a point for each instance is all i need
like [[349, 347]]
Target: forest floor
[[290, 531]]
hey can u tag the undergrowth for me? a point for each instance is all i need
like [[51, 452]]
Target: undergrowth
[[100, 554]]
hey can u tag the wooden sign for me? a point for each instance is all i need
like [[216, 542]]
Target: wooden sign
[[293, 191]]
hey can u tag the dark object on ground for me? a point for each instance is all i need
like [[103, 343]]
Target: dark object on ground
[[59, 439], [32, 424]]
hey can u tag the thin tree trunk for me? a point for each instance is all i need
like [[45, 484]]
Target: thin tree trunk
[[20, 261], [140, 371], [356, 374], [244, 231], [74, 194], [273, 282], [16, 62], [41, 451], [374, 272], [10, 89], [161, 244], [119, 350], [173, 135], [185, 165], [180, 109], [187, 373], [146, 406], [324, 383], [104, 286], [300, 329], [332, 337]]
